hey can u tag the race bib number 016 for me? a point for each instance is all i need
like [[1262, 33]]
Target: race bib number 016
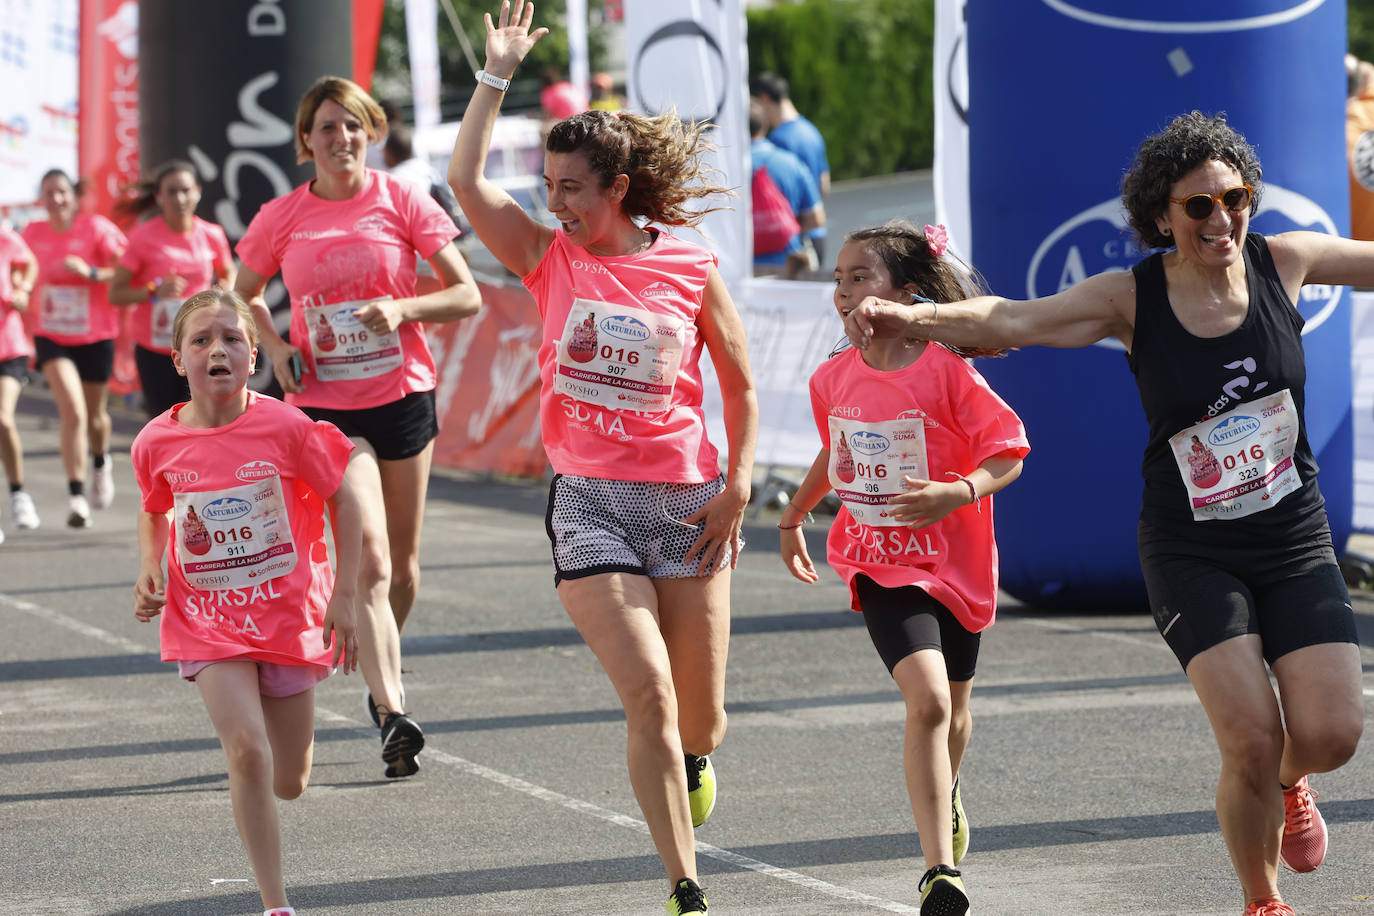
[[234, 538], [346, 350], [868, 462], [1240, 462], [620, 357]]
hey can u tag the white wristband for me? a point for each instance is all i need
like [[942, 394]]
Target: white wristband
[[494, 82]]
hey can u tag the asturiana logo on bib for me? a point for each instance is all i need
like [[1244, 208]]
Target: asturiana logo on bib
[[657, 290], [256, 470], [344, 317], [1232, 429], [625, 327], [869, 443], [226, 508]]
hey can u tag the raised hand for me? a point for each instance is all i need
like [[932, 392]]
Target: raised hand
[[510, 39]]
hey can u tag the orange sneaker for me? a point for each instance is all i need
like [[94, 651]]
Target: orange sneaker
[[1269, 907], [1304, 831]]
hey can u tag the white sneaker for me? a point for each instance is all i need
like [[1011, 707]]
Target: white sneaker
[[102, 485], [78, 512], [22, 508], [2, 535]]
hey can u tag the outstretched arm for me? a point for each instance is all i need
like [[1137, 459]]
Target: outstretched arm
[[509, 233], [1099, 307]]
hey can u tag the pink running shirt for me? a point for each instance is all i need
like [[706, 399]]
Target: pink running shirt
[[14, 340], [154, 253], [281, 619], [966, 423], [582, 438], [67, 309], [332, 252]]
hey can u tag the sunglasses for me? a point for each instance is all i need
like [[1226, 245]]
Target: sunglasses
[[1200, 206]]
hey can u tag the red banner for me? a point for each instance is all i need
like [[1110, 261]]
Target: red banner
[[488, 394], [367, 33]]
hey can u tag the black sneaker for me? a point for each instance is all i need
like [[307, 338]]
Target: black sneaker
[[401, 743], [686, 898]]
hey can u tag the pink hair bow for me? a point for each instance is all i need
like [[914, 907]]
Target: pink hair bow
[[938, 240]]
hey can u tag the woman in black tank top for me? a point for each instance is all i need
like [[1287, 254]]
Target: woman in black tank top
[[1234, 542]]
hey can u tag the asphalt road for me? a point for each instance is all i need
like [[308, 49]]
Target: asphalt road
[[1088, 782]]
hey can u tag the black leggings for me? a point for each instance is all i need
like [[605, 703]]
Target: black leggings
[[904, 620]]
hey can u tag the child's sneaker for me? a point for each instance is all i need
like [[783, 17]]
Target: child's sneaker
[[942, 892], [701, 787], [1304, 831], [1268, 907], [961, 829], [687, 897], [22, 508], [280, 911]]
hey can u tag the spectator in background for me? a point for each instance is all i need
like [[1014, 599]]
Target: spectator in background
[[1359, 138], [787, 175], [788, 129], [398, 154], [604, 96], [559, 98]]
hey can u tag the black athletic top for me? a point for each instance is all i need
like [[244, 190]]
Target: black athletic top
[[1184, 379]]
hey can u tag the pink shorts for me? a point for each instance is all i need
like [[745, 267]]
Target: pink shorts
[[273, 680]]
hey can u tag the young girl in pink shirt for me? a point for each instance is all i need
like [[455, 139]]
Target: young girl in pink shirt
[[914, 443], [234, 488]]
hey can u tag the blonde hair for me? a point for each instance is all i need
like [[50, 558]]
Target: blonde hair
[[348, 94], [661, 155], [212, 297]]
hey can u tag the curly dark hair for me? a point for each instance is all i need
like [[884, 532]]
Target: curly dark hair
[[661, 155], [1189, 141], [905, 252]]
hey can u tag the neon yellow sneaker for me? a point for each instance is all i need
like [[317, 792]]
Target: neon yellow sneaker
[[701, 788], [942, 893], [961, 830], [687, 896]]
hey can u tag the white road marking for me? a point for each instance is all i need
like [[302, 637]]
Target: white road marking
[[76, 626]]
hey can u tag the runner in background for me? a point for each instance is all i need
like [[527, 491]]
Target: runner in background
[[74, 329], [346, 245], [915, 443], [251, 604], [18, 274], [791, 130], [169, 258], [644, 526]]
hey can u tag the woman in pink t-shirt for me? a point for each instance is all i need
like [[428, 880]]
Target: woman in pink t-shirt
[[18, 274], [74, 328], [346, 245], [170, 257], [915, 443], [234, 487], [645, 528]]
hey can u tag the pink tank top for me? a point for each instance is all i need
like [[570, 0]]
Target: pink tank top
[[336, 255], [620, 393], [247, 566], [938, 412]]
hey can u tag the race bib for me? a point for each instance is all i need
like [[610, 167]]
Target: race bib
[[1240, 462], [345, 349], [234, 538], [868, 462], [164, 313], [620, 357], [66, 311]]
